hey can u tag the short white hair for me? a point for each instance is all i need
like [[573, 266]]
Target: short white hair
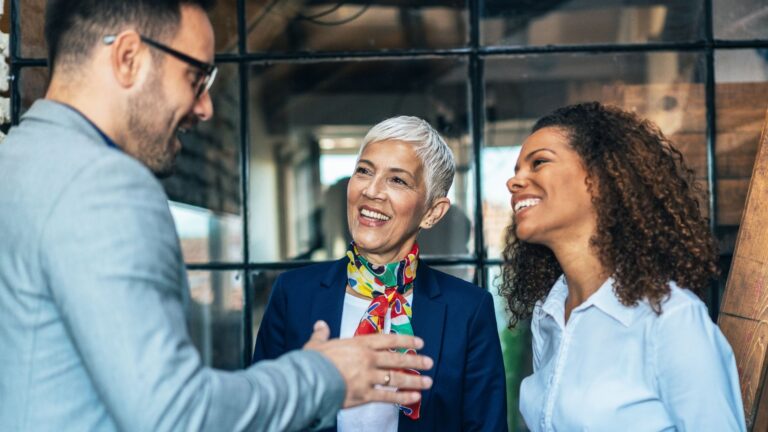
[[435, 155]]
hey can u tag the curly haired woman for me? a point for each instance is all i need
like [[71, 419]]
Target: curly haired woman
[[605, 253]]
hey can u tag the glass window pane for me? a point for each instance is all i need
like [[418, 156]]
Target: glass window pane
[[31, 22], [740, 19], [215, 317], [741, 94], [516, 350], [207, 236], [464, 272], [294, 26], [307, 121], [224, 19], [32, 85], [665, 87], [536, 23], [261, 287], [207, 179]]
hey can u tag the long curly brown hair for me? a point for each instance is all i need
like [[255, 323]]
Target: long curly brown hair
[[650, 229]]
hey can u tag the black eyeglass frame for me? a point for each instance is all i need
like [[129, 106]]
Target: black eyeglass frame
[[208, 69]]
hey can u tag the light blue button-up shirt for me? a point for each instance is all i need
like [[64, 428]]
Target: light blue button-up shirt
[[613, 367]]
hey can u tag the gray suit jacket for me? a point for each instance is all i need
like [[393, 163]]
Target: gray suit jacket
[[92, 328]]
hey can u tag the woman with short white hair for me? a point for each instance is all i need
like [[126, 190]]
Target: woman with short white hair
[[399, 187]]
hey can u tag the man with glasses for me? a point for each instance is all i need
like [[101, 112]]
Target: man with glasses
[[92, 329], [203, 79]]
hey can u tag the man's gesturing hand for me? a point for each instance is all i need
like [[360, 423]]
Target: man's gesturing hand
[[366, 361]]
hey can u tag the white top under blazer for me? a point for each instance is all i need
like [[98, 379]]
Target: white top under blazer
[[613, 367], [374, 416]]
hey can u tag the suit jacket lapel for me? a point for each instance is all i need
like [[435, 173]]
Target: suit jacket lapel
[[328, 301], [428, 321], [428, 312]]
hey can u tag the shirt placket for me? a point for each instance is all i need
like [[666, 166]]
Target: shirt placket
[[553, 384]]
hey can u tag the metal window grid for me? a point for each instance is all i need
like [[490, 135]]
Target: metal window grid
[[476, 54]]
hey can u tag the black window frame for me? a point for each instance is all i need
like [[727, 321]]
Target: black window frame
[[475, 54]]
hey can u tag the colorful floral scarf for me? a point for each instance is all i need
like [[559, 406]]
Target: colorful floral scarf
[[385, 286]]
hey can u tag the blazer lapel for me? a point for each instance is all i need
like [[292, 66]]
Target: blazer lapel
[[428, 321], [428, 312], [328, 301]]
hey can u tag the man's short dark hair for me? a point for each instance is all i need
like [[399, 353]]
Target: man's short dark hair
[[74, 27]]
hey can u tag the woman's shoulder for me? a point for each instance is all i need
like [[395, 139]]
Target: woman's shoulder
[[681, 299], [679, 304], [681, 311], [684, 330]]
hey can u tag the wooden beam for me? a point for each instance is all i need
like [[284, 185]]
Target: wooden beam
[[744, 312]]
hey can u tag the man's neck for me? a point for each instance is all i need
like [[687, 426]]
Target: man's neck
[[89, 105]]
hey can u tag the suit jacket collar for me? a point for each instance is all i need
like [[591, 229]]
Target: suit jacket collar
[[328, 302], [428, 322], [63, 115], [428, 311]]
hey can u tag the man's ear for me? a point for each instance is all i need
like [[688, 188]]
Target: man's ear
[[436, 211], [127, 56]]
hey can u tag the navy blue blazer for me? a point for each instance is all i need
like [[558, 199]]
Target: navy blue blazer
[[455, 318]]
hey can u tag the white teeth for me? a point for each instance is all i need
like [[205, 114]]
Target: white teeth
[[182, 130], [530, 202], [374, 215]]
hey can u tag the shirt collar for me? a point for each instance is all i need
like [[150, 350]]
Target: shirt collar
[[554, 304], [604, 299]]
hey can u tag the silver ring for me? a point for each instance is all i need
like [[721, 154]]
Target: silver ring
[[387, 378]]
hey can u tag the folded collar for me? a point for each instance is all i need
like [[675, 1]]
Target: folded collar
[[604, 299]]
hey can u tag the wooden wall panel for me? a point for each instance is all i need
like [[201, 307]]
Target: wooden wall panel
[[748, 273], [731, 195], [761, 415], [744, 310], [748, 339]]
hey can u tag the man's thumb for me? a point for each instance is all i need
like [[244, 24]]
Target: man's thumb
[[321, 332]]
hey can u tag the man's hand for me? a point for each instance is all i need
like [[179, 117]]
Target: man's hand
[[366, 361]]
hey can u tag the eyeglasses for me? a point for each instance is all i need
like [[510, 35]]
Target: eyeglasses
[[201, 84]]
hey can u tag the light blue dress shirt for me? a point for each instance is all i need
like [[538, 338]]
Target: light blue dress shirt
[[613, 367]]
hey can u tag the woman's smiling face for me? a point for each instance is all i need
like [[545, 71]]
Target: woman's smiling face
[[550, 197], [386, 200]]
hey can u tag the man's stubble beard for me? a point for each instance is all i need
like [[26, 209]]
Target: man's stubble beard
[[150, 124]]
